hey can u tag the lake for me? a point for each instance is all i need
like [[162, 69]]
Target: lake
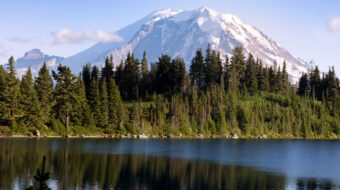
[[172, 164]]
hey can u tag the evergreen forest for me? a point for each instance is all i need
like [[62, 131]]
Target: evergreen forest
[[216, 96]]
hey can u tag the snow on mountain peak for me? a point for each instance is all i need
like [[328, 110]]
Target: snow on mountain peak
[[182, 32]]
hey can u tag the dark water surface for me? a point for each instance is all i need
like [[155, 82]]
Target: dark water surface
[[172, 164]]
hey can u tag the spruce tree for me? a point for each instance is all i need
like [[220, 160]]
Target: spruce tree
[[86, 77], [178, 75], [284, 79], [315, 83], [3, 87], [303, 89], [64, 94], [237, 70], [29, 102], [144, 75], [44, 88], [107, 71], [262, 78], [250, 75], [197, 74], [115, 105], [104, 116], [81, 114], [11, 95], [130, 78], [94, 101]]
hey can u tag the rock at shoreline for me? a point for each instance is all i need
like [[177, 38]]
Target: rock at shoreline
[[143, 136], [234, 136]]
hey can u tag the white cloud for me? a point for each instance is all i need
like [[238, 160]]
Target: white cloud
[[68, 36], [334, 24]]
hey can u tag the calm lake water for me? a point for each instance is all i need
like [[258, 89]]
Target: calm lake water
[[172, 164]]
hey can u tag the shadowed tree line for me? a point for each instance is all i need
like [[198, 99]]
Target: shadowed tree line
[[217, 97]]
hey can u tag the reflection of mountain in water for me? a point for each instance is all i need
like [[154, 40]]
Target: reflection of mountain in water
[[73, 169]]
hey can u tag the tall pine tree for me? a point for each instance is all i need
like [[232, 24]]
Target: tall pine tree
[[44, 87], [30, 104]]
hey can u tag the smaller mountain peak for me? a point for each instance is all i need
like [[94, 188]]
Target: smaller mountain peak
[[34, 54]]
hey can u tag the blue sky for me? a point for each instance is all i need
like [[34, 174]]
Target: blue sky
[[309, 29]]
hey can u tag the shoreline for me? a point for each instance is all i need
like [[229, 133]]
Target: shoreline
[[156, 137]]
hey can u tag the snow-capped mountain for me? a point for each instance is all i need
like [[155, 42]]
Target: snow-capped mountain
[[181, 33], [35, 58]]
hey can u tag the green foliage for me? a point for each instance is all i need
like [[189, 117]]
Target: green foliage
[[237, 96], [44, 87], [64, 94], [30, 104]]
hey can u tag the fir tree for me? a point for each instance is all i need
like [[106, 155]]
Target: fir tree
[[303, 89], [144, 75], [197, 74], [29, 102], [64, 94], [86, 77], [11, 94], [315, 84], [250, 75], [263, 78], [104, 112], [3, 88], [115, 105], [44, 88], [284, 87], [94, 101], [81, 114]]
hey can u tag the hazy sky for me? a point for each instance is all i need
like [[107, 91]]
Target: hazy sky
[[309, 29]]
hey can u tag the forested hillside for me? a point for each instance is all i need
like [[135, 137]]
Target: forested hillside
[[216, 97]]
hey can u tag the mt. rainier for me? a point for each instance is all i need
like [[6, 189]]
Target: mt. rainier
[[181, 33]]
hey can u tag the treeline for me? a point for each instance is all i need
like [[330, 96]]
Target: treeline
[[218, 97]]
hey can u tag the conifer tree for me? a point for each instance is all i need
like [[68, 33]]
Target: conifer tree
[[303, 89], [178, 75], [144, 75], [81, 114], [29, 102], [44, 88], [163, 78], [197, 72], [115, 105], [3, 87], [64, 94], [315, 84], [94, 101], [130, 78], [284, 87], [11, 94], [237, 70], [226, 72], [272, 79], [262, 78], [107, 71], [86, 77], [104, 116], [250, 75]]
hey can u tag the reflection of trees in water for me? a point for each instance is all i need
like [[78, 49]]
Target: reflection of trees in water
[[74, 169], [304, 184]]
